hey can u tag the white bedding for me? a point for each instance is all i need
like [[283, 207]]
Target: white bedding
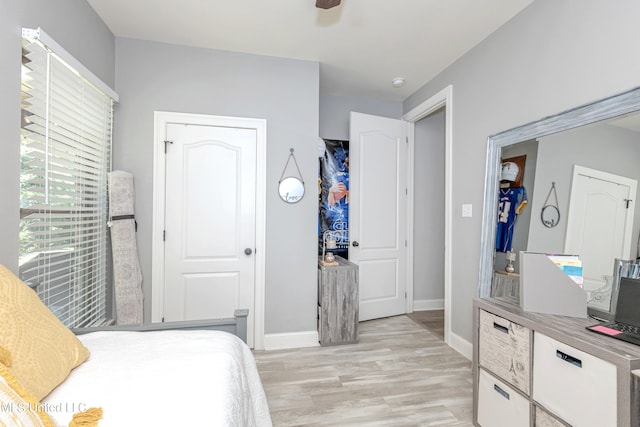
[[164, 378]]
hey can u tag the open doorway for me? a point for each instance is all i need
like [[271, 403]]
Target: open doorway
[[442, 100], [429, 222]]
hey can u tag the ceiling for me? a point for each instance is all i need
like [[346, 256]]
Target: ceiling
[[361, 45]]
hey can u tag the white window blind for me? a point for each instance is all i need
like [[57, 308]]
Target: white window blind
[[65, 158]]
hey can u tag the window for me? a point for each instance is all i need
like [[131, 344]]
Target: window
[[65, 159]]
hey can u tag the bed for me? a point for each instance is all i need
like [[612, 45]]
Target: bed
[[173, 374]]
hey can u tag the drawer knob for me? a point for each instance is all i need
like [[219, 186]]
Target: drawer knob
[[503, 393], [501, 328], [569, 359]]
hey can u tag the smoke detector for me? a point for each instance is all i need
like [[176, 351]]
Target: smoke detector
[[397, 81]]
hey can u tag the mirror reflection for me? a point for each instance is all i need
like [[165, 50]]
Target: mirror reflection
[[574, 192], [291, 189]]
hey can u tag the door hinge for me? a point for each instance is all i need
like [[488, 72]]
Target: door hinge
[[406, 139], [165, 145], [164, 235], [405, 243], [163, 320], [405, 295], [628, 201]]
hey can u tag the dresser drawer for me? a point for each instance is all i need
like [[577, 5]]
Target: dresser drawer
[[544, 419], [576, 386], [504, 349], [499, 405]]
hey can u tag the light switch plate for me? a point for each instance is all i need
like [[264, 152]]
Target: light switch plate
[[467, 210]]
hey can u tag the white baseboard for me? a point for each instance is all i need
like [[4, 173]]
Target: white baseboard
[[291, 340], [310, 339], [461, 345], [428, 304]]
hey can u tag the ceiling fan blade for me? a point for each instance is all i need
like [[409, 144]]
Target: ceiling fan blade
[[327, 4]]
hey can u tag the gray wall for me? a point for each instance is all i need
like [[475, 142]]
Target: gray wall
[[161, 77], [74, 25], [334, 113], [552, 56], [428, 192]]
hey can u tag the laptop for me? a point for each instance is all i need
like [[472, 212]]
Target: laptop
[[626, 322]]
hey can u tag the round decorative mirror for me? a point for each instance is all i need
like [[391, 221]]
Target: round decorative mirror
[[550, 216], [291, 189]]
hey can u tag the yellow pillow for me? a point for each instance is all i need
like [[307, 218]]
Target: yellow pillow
[[19, 407], [43, 351]]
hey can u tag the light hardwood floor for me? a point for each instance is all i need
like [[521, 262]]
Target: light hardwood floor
[[399, 374], [431, 320]]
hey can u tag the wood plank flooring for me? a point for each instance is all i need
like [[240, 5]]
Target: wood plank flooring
[[399, 374], [431, 320]]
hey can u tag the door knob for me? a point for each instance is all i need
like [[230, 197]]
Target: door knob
[[248, 251], [355, 244]]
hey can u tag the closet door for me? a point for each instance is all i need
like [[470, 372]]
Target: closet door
[[377, 212]]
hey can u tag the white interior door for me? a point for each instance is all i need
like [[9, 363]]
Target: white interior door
[[210, 209], [377, 212], [599, 222]]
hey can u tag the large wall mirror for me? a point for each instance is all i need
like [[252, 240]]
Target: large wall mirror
[[591, 149]]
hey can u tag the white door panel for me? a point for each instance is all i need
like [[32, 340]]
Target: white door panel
[[206, 163], [599, 222], [209, 221], [381, 277], [220, 291], [377, 212]]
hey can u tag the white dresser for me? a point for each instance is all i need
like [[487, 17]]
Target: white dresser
[[535, 369]]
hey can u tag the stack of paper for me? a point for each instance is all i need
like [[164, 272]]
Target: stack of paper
[[571, 265]]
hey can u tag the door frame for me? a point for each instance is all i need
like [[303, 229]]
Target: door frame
[[161, 119], [444, 98]]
